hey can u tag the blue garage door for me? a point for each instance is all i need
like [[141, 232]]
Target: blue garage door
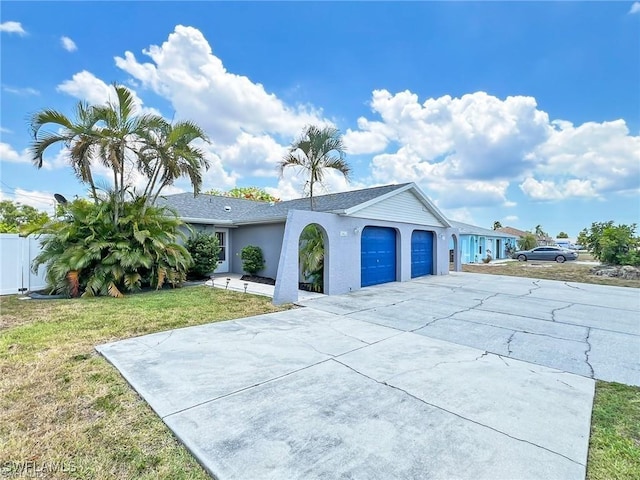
[[378, 256], [421, 253]]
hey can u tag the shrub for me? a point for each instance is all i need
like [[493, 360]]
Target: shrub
[[204, 250], [88, 253], [252, 259], [527, 242], [615, 245]]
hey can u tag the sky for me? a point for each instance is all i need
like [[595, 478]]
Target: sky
[[518, 112]]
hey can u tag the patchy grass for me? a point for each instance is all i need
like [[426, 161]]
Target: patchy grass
[[63, 404], [614, 447], [565, 272]]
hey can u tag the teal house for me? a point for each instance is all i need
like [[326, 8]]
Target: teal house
[[476, 243]]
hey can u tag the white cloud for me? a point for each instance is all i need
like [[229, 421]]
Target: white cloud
[[252, 155], [5, 130], [36, 198], [26, 91], [558, 190], [635, 8], [13, 27], [86, 86], [480, 144], [511, 218], [8, 154], [186, 72], [68, 44]]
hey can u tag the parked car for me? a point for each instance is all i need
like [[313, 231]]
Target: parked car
[[546, 253]]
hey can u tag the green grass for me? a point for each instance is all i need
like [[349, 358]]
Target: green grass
[[614, 447], [61, 402]]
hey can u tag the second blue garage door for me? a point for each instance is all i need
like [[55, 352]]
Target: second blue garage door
[[421, 253], [378, 256]]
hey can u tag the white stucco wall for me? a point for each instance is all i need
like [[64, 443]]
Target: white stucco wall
[[342, 260]]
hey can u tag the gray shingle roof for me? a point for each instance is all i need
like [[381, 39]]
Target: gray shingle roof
[[212, 207], [467, 229]]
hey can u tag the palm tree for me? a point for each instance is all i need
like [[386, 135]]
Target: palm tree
[[497, 225], [167, 154], [81, 136], [314, 152], [120, 131]]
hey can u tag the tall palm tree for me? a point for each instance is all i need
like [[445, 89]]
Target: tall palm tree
[[167, 154], [121, 130], [80, 135], [315, 151]]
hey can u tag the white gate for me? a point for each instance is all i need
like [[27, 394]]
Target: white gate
[[16, 255]]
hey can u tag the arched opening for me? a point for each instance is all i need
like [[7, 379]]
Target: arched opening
[[453, 253], [312, 246]]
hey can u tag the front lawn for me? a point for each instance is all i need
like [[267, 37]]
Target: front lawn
[[565, 272], [64, 407]]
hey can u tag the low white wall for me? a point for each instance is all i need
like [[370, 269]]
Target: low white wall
[[16, 255]]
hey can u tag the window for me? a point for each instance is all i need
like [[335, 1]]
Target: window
[[222, 256]]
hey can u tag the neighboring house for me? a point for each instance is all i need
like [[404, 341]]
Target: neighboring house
[[477, 242], [371, 236], [543, 240]]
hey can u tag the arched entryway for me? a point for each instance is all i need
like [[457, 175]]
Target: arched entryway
[[312, 261], [454, 253]]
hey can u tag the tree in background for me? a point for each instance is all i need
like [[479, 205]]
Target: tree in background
[[527, 242], [316, 151], [497, 225], [250, 193], [562, 235], [615, 245], [18, 218]]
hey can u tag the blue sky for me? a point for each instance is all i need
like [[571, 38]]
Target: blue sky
[[526, 113]]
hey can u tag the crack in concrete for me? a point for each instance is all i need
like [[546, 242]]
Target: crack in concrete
[[458, 415], [482, 355], [509, 351], [503, 360], [587, 351], [553, 312], [468, 309], [573, 286], [346, 334], [536, 286]]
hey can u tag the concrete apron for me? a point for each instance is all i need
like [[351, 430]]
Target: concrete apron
[[332, 391]]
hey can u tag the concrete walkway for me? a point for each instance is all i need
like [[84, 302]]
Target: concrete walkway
[[414, 380]]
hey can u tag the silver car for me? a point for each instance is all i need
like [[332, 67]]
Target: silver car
[[546, 253]]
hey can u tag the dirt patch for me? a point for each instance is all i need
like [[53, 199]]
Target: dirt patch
[[258, 279]]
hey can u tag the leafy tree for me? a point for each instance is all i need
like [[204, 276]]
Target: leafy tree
[[312, 256], [87, 254], [15, 217], [527, 242], [315, 151], [252, 259], [250, 193], [204, 250], [562, 235], [615, 245], [497, 225]]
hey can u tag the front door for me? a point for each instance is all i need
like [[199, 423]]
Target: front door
[[222, 234]]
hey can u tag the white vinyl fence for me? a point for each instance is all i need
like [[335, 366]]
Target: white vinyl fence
[[16, 254]]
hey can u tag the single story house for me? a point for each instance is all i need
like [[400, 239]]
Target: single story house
[[477, 242], [371, 236], [542, 240]]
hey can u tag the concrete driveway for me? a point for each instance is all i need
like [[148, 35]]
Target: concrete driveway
[[465, 376]]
